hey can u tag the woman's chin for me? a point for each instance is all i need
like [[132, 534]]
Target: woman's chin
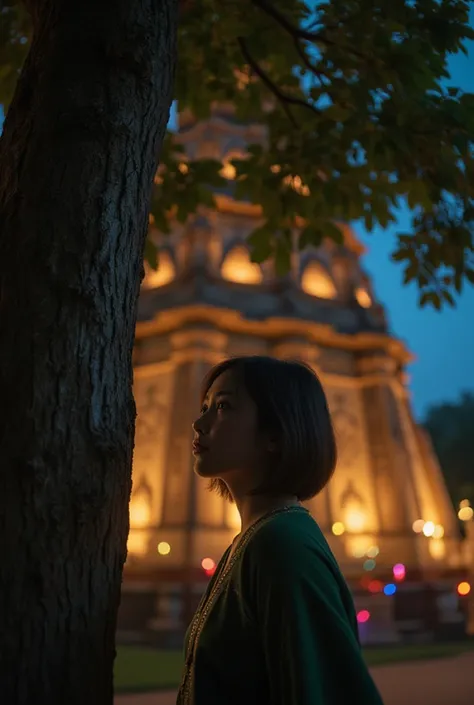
[[202, 468]]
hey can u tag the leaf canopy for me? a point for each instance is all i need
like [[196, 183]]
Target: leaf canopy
[[357, 119]]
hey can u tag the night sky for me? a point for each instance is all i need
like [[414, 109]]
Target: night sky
[[443, 342]]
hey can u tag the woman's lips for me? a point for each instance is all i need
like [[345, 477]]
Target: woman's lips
[[198, 448]]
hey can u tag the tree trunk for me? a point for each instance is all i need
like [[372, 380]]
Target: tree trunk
[[78, 155]]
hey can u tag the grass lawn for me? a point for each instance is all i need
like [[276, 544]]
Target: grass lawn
[[139, 669]]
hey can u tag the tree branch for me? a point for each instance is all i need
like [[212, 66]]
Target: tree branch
[[311, 67], [298, 32], [285, 23], [284, 99]]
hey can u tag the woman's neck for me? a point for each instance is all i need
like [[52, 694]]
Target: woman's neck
[[253, 507]]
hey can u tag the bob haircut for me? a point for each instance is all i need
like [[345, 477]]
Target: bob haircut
[[292, 407]]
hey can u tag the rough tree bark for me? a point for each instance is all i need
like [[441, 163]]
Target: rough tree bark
[[78, 155]]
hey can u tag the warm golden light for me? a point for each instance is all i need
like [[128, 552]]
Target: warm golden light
[[357, 549], [297, 185], [139, 512], [363, 297], [464, 588], [183, 168], [355, 520], [438, 532], [317, 282], [228, 171], [373, 551], [358, 546], [164, 548], [466, 513], [161, 276], [464, 503], [418, 526], [338, 528], [437, 548], [140, 515], [233, 517], [428, 528], [237, 267], [243, 77]]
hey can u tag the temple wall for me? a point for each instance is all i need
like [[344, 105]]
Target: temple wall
[[384, 481]]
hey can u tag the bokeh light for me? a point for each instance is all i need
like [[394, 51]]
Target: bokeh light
[[464, 588], [399, 571], [466, 513], [369, 564], [390, 589], [338, 528], [418, 526], [208, 565], [164, 548], [438, 532], [428, 528], [373, 551], [375, 586], [363, 616]]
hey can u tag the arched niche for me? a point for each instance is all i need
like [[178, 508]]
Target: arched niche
[[166, 272], [316, 281], [363, 297], [237, 267]]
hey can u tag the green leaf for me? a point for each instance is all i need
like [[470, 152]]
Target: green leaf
[[260, 242], [282, 257], [399, 255], [410, 273], [469, 274], [447, 296], [333, 231], [310, 236], [338, 113]]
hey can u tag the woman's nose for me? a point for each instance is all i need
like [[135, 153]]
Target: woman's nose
[[198, 425]]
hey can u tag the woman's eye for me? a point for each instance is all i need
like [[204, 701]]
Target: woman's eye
[[222, 405], [203, 410]]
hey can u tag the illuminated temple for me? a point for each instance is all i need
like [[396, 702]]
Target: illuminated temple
[[386, 509]]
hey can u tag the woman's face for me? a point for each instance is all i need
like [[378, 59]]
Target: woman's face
[[227, 443]]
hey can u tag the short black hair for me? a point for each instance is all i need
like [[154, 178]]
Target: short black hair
[[292, 406]]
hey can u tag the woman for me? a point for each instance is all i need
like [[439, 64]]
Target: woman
[[277, 624]]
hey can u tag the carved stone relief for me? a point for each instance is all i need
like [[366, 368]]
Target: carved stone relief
[[352, 478], [152, 396]]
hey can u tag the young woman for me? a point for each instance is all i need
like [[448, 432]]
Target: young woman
[[277, 624]]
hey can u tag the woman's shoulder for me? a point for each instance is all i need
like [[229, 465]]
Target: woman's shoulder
[[289, 541]]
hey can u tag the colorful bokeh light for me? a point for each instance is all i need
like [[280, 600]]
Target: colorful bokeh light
[[429, 528], [363, 616], [399, 571], [164, 548], [338, 528], [208, 565], [375, 586], [369, 564], [390, 589], [373, 551], [464, 588], [418, 526]]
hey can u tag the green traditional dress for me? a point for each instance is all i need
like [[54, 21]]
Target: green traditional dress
[[277, 624]]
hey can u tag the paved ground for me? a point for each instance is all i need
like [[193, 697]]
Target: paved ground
[[441, 682]]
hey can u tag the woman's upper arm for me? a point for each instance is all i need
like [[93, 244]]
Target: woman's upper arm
[[310, 645]]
